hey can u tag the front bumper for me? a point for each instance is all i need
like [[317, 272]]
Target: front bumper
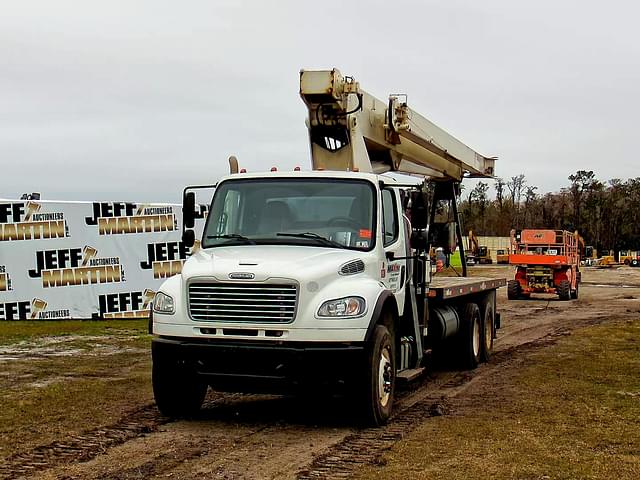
[[265, 366]]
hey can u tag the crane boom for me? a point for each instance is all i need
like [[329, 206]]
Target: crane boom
[[350, 129]]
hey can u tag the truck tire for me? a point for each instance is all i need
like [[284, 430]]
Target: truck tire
[[380, 381], [178, 393], [488, 329], [564, 290], [471, 336], [513, 290], [635, 262]]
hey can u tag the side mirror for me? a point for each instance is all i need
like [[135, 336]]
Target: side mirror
[[189, 210], [419, 210], [419, 240], [188, 238]]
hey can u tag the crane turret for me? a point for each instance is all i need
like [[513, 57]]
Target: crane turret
[[350, 129]]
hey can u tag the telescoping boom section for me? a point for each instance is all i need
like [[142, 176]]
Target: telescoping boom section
[[351, 130]]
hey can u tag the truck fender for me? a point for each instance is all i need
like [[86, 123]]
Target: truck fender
[[385, 297]]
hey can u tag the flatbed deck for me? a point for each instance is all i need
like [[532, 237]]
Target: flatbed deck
[[442, 288]]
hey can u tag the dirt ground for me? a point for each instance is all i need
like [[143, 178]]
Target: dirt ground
[[266, 437]]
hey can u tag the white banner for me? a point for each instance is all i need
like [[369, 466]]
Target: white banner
[[87, 259]]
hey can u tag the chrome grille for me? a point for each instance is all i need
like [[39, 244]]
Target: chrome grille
[[242, 302]]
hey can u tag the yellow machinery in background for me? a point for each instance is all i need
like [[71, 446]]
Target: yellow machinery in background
[[477, 253], [502, 256]]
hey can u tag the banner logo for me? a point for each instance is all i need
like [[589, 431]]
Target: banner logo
[[5, 279], [116, 218], [39, 311], [166, 258], [76, 266], [134, 304], [25, 221], [36, 309]]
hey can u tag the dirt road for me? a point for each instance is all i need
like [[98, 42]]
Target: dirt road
[[256, 436]]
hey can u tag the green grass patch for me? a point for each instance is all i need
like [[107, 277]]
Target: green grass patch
[[573, 413], [11, 332], [50, 399]]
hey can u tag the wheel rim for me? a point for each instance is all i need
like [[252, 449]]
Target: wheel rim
[[385, 376], [488, 331], [476, 337]]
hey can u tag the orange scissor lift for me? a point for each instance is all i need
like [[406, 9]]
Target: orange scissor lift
[[547, 261]]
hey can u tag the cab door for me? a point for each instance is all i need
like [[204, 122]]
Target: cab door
[[394, 271]]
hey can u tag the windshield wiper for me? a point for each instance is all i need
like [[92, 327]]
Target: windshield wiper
[[313, 236], [233, 236]]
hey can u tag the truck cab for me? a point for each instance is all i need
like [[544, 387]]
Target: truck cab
[[317, 252]]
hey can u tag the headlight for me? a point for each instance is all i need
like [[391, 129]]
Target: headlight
[[343, 307], [163, 303]]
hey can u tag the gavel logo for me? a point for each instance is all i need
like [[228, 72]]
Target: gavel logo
[[37, 306], [32, 207], [147, 295], [88, 253]]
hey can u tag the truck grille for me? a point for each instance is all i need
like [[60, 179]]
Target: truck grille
[[235, 302]]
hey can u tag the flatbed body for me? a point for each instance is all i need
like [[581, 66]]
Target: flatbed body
[[443, 288]]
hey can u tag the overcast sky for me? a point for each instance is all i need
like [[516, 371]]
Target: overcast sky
[[132, 100]]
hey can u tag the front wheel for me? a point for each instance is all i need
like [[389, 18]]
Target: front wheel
[[574, 293], [564, 290], [178, 392], [513, 290], [380, 381]]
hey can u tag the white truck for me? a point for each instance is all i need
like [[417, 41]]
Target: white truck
[[322, 278]]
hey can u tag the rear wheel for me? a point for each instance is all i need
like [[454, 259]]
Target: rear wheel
[[380, 380], [471, 336], [488, 329], [513, 290], [574, 293], [635, 262], [564, 290]]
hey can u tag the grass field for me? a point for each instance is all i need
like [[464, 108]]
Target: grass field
[[58, 378], [572, 413]]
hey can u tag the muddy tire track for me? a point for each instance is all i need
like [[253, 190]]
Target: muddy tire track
[[82, 447]]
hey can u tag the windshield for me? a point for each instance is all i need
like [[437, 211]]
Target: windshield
[[320, 212]]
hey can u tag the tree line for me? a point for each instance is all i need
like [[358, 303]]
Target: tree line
[[606, 214]]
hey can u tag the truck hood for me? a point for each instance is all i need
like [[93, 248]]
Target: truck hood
[[271, 261]]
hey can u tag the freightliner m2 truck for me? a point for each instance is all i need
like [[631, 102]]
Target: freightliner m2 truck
[[321, 279]]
